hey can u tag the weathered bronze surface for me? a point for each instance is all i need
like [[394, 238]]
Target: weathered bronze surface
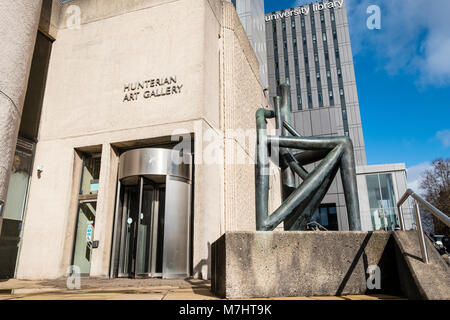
[[300, 202]]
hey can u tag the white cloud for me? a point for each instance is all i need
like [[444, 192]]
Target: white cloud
[[415, 174], [414, 36], [444, 137]]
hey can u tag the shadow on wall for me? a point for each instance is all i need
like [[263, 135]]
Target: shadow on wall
[[198, 269]]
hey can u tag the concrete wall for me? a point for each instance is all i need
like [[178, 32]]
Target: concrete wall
[[203, 44], [299, 264]]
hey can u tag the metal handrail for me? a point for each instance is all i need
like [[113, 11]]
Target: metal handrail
[[436, 212]]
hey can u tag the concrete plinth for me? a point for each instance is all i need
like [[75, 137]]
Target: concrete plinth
[[285, 264], [289, 264]]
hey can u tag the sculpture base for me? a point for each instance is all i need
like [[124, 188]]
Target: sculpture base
[[287, 264], [301, 264]]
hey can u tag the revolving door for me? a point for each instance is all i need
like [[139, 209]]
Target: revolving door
[[152, 219]]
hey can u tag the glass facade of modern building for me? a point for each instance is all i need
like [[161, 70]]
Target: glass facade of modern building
[[382, 201]]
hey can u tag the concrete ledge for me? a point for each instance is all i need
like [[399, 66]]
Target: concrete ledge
[[289, 264]]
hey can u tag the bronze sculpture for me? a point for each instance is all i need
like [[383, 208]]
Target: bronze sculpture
[[300, 203]]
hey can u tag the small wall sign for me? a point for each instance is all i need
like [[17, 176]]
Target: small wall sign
[[151, 89]]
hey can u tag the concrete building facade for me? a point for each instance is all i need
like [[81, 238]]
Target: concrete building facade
[[125, 86]]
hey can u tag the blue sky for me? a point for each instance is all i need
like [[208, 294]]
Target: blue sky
[[403, 79]]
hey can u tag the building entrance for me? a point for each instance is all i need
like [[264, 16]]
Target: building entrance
[[142, 245], [152, 220]]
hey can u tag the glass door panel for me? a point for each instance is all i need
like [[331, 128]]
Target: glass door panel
[[129, 231], [159, 238], [142, 233], [85, 225], [143, 259]]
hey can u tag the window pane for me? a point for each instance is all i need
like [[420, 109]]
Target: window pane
[[91, 175], [316, 216], [85, 226], [373, 190], [387, 191]]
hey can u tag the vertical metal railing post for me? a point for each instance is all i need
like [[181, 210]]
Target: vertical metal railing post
[[423, 247], [2, 205], [400, 218], [433, 210]]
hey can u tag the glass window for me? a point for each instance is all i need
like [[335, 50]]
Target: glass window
[[326, 215], [90, 176], [328, 74], [322, 17], [331, 93], [324, 36], [332, 16], [341, 91], [387, 190], [303, 22], [14, 208], [318, 75], [382, 201], [18, 183], [85, 229], [339, 73], [87, 207]]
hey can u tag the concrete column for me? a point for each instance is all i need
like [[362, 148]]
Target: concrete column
[[19, 20], [104, 217]]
